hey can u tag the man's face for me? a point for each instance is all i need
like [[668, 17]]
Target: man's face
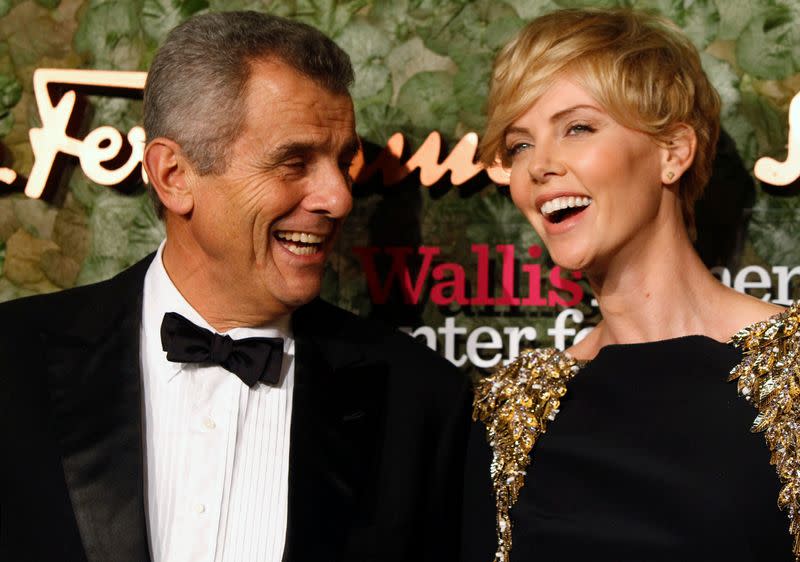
[[265, 226]]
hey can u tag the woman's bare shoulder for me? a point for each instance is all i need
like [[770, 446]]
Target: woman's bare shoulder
[[588, 347], [739, 311]]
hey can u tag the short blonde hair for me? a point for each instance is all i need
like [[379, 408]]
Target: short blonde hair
[[643, 71]]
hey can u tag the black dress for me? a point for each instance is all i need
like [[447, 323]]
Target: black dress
[[650, 459]]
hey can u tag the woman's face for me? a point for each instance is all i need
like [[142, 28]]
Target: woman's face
[[590, 187]]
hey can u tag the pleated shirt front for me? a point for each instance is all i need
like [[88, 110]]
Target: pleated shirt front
[[217, 451]]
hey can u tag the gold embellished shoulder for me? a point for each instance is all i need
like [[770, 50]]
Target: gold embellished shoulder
[[769, 378], [516, 403]]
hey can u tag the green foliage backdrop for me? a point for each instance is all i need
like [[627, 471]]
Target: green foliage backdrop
[[421, 65]]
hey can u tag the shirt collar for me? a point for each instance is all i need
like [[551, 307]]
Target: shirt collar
[[162, 296]]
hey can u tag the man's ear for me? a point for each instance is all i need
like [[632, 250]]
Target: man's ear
[[169, 171], [678, 153]]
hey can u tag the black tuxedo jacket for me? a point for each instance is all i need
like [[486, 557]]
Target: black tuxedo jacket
[[378, 434]]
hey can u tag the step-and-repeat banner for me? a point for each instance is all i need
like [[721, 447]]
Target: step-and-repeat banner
[[434, 245]]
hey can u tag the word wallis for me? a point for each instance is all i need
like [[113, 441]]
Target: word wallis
[[413, 272]]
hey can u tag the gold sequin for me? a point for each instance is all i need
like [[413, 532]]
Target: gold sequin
[[516, 403], [769, 378]]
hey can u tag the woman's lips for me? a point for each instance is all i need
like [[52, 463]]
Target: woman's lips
[[566, 223], [554, 207]]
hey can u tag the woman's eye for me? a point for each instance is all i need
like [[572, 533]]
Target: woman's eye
[[516, 148], [578, 128]]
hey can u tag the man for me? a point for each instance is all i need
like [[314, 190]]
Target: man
[[135, 431]]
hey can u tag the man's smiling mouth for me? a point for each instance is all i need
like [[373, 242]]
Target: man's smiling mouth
[[301, 243]]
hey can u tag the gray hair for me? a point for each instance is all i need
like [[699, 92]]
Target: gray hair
[[195, 87]]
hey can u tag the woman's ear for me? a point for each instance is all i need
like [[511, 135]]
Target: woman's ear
[[678, 153], [169, 172]]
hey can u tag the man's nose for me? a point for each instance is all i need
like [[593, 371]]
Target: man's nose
[[331, 193]]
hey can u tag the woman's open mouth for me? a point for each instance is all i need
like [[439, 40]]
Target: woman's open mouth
[[561, 208]]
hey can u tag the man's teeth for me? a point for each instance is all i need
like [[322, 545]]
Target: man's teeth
[[302, 250], [313, 242], [306, 237], [564, 203]]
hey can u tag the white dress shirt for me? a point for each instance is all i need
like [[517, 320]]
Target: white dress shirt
[[217, 451]]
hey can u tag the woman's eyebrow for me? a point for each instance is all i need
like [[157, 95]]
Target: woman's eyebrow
[[565, 112], [557, 116]]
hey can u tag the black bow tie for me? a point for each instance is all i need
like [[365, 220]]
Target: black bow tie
[[250, 359]]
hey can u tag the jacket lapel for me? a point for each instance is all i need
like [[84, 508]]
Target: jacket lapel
[[338, 413], [337, 420], [95, 385]]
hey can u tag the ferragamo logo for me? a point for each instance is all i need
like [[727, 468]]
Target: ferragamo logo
[[773, 172], [102, 145], [108, 159]]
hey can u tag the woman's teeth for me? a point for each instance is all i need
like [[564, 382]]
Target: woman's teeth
[[300, 243], [561, 203]]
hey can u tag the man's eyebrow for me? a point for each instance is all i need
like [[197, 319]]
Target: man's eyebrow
[[293, 149], [558, 115], [299, 148]]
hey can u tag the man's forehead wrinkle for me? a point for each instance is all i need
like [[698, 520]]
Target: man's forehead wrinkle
[[288, 114], [284, 83], [323, 111], [298, 130], [305, 144]]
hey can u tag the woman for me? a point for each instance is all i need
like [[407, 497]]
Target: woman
[[608, 126]]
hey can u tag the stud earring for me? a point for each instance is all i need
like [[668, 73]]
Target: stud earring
[[670, 175]]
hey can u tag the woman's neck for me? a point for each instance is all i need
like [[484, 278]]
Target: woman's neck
[[658, 290]]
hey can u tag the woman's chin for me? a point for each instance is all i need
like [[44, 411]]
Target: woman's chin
[[570, 259]]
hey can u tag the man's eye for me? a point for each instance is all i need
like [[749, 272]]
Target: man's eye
[[295, 164]]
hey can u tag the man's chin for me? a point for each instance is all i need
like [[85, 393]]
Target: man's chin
[[309, 290]]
